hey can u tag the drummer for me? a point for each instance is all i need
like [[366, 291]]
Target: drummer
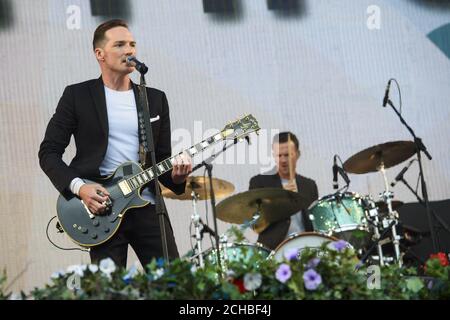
[[286, 152]]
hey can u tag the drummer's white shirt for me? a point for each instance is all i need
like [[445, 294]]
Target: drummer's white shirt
[[296, 224]]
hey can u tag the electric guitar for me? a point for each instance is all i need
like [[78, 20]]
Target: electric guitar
[[124, 186]]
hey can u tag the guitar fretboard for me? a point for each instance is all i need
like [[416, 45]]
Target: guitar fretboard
[[141, 179]]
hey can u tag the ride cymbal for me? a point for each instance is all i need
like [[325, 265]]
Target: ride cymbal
[[389, 154]]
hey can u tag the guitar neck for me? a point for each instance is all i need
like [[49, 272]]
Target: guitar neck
[[141, 179]]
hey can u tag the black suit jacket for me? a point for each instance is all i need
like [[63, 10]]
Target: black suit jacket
[[82, 112], [274, 234]]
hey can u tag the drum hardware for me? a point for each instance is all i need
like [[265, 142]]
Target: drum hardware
[[196, 221], [392, 219], [377, 159], [381, 258], [199, 188]]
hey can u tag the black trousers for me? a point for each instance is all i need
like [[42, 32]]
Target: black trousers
[[140, 229]]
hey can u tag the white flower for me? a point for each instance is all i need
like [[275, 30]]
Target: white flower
[[93, 268], [252, 281], [76, 269], [107, 266], [193, 269], [15, 296], [230, 274], [132, 272], [158, 273], [57, 274]]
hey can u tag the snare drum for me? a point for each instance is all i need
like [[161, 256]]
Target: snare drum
[[236, 252], [343, 215], [300, 241]]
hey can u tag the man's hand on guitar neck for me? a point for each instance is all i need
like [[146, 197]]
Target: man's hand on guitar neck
[[182, 167], [94, 197]]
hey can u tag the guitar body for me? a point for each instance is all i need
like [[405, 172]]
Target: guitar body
[[89, 230], [124, 186]]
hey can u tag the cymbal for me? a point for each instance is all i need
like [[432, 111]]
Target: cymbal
[[200, 185], [382, 206], [389, 153], [274, 204]]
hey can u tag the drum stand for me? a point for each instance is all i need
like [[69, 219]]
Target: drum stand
[[373, 215], [391, 221], [198, 237]]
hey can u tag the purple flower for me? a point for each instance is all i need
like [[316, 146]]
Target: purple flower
[[312, 279], [313, 263], [340, 245], [291, 254], [283, 273]]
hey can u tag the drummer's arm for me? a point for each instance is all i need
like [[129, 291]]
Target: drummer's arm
[[315, 192]]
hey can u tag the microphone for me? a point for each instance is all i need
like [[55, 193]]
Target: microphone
[[141, 67], [401, 173], [335, 173], [386, 93]]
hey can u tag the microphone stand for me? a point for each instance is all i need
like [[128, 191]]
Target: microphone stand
[[207, 164], [420, 147], [437, 217], [160, 208]]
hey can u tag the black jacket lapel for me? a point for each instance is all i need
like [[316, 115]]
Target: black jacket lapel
[[98, 95]]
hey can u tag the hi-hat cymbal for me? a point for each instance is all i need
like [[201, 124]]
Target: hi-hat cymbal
[[273, 204], [389, 154], [200, 185]]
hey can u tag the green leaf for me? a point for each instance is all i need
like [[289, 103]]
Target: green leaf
[[414, 284]]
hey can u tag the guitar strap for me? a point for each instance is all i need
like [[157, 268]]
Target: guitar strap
[[143, 126]]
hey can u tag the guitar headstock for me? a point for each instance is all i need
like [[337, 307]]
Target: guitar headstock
[[240, 128]]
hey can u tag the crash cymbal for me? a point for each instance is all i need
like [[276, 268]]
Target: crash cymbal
[[382, 206], [389, 153], [273, 203], [200, 185]]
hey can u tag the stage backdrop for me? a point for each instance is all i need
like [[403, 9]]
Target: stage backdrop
[[318, 68]]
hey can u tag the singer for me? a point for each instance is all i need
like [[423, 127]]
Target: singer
[[286, 152], [101, 114]]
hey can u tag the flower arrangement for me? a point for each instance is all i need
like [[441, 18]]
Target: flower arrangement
[[329, 273]]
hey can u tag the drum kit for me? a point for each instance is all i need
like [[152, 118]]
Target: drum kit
[[372, 228]]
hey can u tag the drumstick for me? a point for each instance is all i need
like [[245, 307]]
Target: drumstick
[[291, 169]]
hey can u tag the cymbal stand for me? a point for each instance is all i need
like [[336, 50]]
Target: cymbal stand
[[198, 237], [373, 218], [392, 216]]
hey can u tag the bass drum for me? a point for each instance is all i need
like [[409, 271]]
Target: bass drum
[[301, 241]]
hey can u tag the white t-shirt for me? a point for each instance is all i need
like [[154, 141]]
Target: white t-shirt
[[123, 136]]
